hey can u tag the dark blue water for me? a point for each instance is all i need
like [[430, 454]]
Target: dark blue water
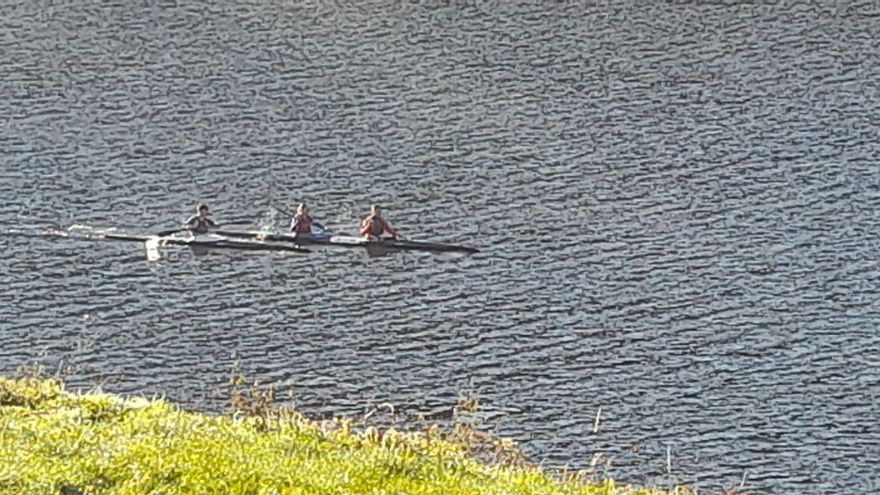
[[677, 206]]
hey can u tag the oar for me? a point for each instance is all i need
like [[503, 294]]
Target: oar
[[165, 233], [151, 245], [281, 210]]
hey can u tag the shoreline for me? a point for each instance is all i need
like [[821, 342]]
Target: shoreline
[[54, 441]]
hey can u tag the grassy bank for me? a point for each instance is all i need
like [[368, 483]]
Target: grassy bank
[[52, 441]]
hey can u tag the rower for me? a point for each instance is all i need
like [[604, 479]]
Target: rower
[[200, 223], [302, 222], [374, 225]]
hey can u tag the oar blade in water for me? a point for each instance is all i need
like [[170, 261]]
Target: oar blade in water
[[152, 248]]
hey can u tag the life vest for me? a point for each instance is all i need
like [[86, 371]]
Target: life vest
[[302, 224]]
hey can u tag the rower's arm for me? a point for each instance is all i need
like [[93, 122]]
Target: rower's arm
[[189, 222], [319, 225]]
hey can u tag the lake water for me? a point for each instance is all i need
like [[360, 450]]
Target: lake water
[[678, 206]]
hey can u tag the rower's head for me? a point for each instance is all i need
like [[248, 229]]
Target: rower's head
[[302, 209], [375, 210], [202, 209]]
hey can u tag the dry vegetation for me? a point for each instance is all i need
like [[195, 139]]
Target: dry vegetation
[[52, 442]]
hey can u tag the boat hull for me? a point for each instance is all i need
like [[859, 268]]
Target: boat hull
[[209, 241], [327, 239]]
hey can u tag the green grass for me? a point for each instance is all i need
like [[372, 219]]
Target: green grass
[[53, 441]]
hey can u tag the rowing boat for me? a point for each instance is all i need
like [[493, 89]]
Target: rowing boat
[[201, 243], [212, 241], [152, 243], [253, 241], [329, 239]]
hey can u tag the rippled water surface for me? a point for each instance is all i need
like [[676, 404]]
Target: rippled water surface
[[677, 206]]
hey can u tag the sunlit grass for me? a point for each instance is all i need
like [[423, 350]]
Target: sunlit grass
[[52, 441]]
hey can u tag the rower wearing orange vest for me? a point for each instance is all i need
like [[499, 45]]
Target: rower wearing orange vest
[[374, 225], [302, 222]]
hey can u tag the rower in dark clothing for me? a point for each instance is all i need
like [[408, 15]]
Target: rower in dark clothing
[[200, 223], [302, 222]]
